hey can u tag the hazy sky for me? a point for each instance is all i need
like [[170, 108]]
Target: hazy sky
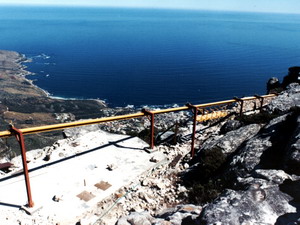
[[284, 6]]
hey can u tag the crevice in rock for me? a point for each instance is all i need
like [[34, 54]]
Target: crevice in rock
[[273, 158], [292, 188]]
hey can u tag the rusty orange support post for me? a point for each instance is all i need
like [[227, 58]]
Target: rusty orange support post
[[195, 112], [261, 100], [151, 118], [242, 104], [19, 136]]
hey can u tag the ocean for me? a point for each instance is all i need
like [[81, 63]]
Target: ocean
[[152, 57]]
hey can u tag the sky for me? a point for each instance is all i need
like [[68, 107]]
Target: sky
[[278, 6]]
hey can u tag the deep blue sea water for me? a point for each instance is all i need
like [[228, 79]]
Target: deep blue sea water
[[148, 56]]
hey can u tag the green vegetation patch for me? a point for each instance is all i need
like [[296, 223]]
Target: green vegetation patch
[[204, 186], [204, 193]]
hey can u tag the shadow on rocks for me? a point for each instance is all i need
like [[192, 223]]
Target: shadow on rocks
[[292, 188]]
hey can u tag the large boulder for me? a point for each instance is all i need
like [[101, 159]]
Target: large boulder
[[232, 139], [265, 150], [260, 192], [273, 84], [261, 202], [230, 125], [165, 137], [285, 101], [292, 77]]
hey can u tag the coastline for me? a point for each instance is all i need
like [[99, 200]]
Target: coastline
[[16, 61], [24, 104], [26, 73]]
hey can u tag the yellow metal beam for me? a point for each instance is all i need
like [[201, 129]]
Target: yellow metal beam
[[47, 128], [170, 110]]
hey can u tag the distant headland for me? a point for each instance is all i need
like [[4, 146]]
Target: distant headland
[[24, 104]]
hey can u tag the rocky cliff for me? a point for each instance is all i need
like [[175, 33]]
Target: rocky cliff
[[253, 172]]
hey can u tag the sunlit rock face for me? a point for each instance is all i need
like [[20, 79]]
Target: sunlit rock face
[[261, 171], [262, 201], [286, 100]]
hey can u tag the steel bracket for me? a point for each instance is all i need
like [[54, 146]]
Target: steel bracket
[[261, 99]]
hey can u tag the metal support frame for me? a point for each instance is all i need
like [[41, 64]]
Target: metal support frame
[[242, 104], [151, 118], [20, 138], [18, 133], [195, 112], [261, 100]]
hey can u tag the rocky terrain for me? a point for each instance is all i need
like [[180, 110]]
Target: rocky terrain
[[246, 172]]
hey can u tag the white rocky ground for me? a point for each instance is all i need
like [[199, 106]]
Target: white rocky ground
[[154, 189]]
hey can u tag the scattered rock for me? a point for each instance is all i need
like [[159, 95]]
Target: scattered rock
[[47, 157], [111, 167], [181, 214], [56, 198], [154, 159], [143, 218], [165, 137], [230, 125], [186, 166], [145, 183], [272, 84]]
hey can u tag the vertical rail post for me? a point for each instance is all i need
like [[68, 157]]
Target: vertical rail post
[[242, 104], [151, 118], [195, 112], [20, 138], [261, 100]]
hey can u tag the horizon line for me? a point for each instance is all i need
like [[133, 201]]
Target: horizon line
[[139, 7]]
